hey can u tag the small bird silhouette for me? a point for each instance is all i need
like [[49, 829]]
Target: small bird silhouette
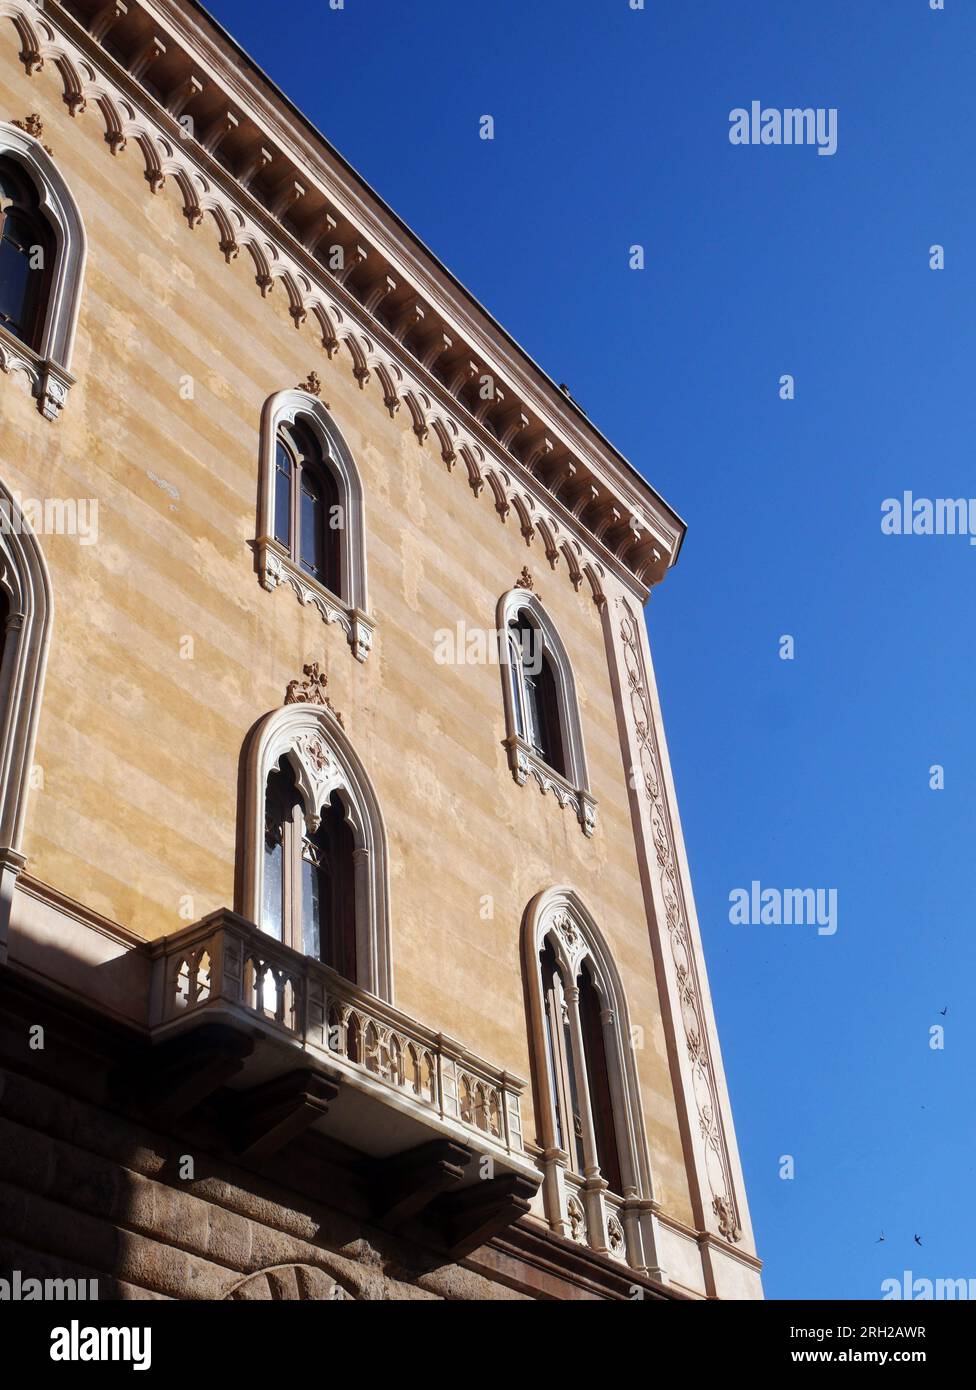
[[944, 1011], [880, 1238], [917, 1240]]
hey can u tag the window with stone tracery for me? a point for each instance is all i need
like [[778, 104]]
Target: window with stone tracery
[[594, 1154], [309, 890], [315, 874]]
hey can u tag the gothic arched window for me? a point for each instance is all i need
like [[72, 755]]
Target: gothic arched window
[[309, 899], [42, 259], [543, 735], [308, 516], [311, 527], [597, 1174], [26, 256], [315, 874]]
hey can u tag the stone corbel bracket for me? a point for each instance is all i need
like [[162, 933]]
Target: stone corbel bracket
[[49, 382], [525, 763], [275, 567]]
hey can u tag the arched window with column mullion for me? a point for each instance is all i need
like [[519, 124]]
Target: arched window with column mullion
[[308, 900], [594, 1151], [315, 867]]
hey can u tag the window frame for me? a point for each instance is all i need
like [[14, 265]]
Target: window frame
[[278, 563], [46, 359], [322, 761], [570, 782], [578, 1204]]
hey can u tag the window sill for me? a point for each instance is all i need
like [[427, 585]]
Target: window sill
[[50, 383], [524, 762], [275, 566]]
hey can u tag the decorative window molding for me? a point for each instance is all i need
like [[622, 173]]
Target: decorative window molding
[[526, 750], [46, 366], [560, 935], [276, 563], [27, 606], [307, 735]]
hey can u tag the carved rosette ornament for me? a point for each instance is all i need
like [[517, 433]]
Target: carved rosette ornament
[[689, 985], [615, 1238]]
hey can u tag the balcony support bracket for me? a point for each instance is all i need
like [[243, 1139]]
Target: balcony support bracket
[[404, 1185]]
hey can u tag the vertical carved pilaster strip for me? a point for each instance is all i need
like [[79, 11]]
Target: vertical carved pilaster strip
[[693, 1047]]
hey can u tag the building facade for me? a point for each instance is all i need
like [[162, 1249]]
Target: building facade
[[347, 940]]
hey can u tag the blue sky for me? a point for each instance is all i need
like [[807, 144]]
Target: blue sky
[[612, 129]]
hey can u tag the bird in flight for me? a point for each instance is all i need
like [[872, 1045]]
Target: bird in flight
[[917, 1241], [880, 1238], [944, 1011]]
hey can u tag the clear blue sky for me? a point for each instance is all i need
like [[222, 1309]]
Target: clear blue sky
[[611, 129]]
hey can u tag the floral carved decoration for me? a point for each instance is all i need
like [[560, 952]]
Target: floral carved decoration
[[689, 991], [312, 691]]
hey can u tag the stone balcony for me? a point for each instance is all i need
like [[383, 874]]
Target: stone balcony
[[300, 1048]]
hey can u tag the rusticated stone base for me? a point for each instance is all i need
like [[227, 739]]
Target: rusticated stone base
[[90, 1190]]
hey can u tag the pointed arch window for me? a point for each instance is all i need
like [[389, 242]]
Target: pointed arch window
[[543, 739], [42, 258], [26, 256], [311, 527], [315, 874], [308, 899], [597, 1173], [308, 515]]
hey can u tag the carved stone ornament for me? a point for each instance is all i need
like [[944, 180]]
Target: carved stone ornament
[[615, 1238], [577, 1220], [313, 386], [709, 1115], [525, 580], [311, 691], [34, 126]]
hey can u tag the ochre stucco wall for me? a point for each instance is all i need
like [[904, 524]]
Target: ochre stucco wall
[[140, 749]]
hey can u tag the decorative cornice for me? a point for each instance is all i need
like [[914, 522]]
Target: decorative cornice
[[392, 307]]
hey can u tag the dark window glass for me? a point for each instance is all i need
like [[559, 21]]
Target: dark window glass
[[317, 544], [541, 703], [577, 1151], [26, 251], [279, 807], [551, 993], [312, 526], [334, 927], [282, 495], [598, 1083]]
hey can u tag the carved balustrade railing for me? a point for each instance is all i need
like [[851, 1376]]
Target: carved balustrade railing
[[226, 964]]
